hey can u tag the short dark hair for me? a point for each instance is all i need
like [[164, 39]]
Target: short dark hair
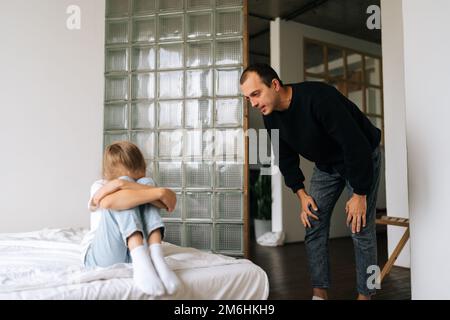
[[264, 71]]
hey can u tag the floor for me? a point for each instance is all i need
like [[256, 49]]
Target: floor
[[289, 279]]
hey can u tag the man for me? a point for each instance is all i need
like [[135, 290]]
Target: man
[[317, 122]]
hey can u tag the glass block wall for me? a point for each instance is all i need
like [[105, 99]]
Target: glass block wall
[[172, 71]]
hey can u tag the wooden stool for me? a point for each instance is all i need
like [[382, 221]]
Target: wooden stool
[[393, 221]]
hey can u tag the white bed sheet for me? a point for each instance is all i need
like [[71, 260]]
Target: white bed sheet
[[46, 264]]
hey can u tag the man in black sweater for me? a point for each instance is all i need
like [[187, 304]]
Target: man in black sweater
[[317, 122]]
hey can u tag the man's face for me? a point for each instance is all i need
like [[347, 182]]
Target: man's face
[[261, 97]]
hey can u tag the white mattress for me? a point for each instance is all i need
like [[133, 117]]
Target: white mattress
[[46, 265]]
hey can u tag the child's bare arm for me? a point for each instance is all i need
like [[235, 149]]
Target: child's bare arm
[[159, 205], [129, 198], [110, 187], [129, 185]]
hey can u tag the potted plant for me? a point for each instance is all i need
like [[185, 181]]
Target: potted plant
[[263, 195]]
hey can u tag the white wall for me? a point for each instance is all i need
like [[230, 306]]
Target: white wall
[[427, 77], [395, 123], [287, 59], [52, 111]]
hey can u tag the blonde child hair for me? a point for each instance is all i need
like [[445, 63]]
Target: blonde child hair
[[123, 158]]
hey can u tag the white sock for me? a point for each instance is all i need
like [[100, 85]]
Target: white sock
[[168, 277], [144, 274], [317, 298]]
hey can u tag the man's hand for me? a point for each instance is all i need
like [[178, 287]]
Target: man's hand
[[307, 202], [356, 209], [169, 199]]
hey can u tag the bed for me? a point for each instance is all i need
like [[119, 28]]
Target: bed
[[46, 264]]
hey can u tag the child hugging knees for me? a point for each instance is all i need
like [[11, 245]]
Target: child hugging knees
[[125, 218]]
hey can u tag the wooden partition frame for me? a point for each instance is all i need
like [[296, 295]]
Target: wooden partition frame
[[246, 194]]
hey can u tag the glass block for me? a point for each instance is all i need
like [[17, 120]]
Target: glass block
[[143, 115], [374, 101], [141, 7], [198, 174], [170, 27], [229, 205], [229, 175], [229, 52], [314, 58], [229, 22], [199, 54], [335, 63], [198, 4], [117, 8], [170, 84], [373, 71], [199, 25], [193, 143], [170, 144], [110, 138], [116, 88], [144, 29], [171, 5], [227, 81], [229, 144], [199, 236], [170, 114], [199, 83], [143, 58], [116, 116], [150, 172], [176, 214], [229, 237], [116, 60], [173, 233], [143, 86], [228, 3], [199, 144], [198, 205], [198, 113], [117, 32], [169, 174], [145, 140], [354, 67], [228, 112], [171, 56]]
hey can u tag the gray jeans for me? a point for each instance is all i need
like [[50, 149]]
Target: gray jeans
[[326, 189], [109, 245]]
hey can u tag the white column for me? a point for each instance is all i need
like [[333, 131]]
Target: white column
[[426, 27], [395, 123]]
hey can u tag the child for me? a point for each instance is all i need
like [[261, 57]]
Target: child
[[125, 215]]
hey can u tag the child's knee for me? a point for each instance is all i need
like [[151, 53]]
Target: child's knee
[[148, 207], [126, 178], [147, 181]]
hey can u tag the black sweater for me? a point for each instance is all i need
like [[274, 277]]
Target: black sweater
[[324, 127]]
